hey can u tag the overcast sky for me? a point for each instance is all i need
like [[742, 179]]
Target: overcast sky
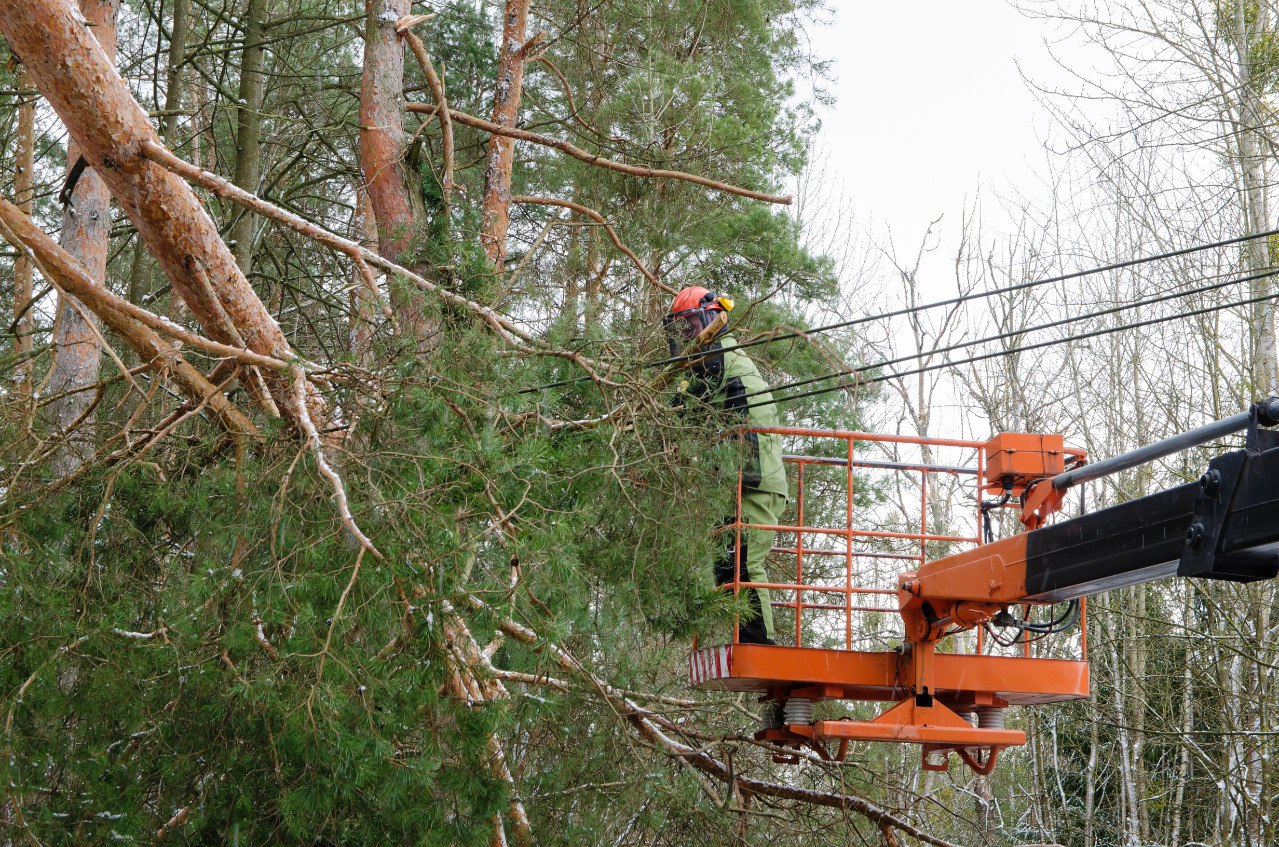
[[931, 105]]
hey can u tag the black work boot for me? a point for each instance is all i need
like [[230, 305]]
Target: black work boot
[[726, 567], [753, 631], [750, 631]]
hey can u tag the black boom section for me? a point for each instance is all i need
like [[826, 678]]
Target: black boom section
[[1126, 544], [1226, 526]]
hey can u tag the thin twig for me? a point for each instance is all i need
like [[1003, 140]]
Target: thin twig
[[608, 227], [599, 161]]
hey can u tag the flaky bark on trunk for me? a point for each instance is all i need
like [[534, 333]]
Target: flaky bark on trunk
[[24, 162], [110, 126], [390, 186], [248, 133], [500, 161], [86, 236]]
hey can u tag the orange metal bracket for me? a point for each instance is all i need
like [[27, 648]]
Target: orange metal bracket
[[930, 724], [913, 723], [1042, 500]]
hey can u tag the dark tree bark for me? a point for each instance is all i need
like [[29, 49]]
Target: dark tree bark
[[248, 135], [174, 80]]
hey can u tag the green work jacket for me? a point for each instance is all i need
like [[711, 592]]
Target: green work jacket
[[762, 467]]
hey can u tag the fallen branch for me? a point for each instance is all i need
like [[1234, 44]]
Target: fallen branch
[[564, 685], [63, 266], [134, 324], [646, 722], [109, 127], [220, 187], [599, 219], [505, 328], [599, 161], [339, 490]]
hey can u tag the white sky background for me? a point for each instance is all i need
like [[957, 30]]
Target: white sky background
[[931, 106], [933, 111]]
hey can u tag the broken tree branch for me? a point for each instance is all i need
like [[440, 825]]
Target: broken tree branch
[[592, 159], [110, 127], [134, 324], [63, 267], [505, 328], [646, 722], [608, 227]]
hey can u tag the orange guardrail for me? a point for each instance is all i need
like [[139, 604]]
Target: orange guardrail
[[880, 530]]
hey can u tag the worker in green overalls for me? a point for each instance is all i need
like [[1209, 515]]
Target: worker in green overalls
[[729, 381]]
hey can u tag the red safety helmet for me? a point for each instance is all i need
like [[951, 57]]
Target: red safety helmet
[[691, 312]]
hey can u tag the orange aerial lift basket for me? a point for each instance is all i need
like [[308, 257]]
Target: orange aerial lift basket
[[859, 531], [940, 620]]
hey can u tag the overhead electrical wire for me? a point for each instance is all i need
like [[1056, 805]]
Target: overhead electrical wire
[[1020, 349], [953, 301], [962, 345]]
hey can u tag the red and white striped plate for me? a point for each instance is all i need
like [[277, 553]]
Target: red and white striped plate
[[710, 663]]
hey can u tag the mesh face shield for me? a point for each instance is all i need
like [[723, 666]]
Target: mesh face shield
[[682, 327]]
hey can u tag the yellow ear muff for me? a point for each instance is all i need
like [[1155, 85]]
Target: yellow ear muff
[[725, 301]]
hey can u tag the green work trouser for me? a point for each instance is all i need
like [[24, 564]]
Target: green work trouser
[[758, 507]]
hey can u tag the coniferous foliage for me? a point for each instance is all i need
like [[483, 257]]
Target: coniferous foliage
[[196, 646]]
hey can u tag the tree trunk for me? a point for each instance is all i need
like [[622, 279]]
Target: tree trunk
[[391, 188], [173, 82], [1187, 724], [1252, 168], [248, 134], [496, 219], [1127, 789], [110, 126], [1231, 756], [86, 235], [1136, 650], [984, 808], [364, 295], [24, 163], [1090, 774]]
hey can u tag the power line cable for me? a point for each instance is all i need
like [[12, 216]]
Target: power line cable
[[953, 301], [1163, 298], [999, 353]]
